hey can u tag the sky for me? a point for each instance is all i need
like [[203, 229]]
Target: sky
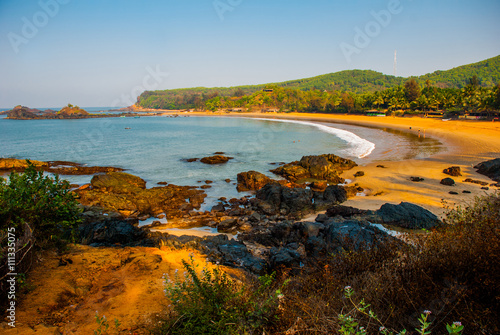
[[106, 52]]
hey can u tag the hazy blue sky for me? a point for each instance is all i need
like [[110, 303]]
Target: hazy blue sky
[[105, 52]]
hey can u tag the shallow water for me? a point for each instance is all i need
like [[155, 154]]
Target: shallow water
[[154, 147]]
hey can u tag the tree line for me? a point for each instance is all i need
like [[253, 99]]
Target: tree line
[[409, 97]]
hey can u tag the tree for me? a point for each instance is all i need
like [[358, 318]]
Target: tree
[[412, 90], [474, 81], [238, 93], [347, 102]]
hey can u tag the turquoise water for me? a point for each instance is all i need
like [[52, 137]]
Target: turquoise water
[[154, 147]]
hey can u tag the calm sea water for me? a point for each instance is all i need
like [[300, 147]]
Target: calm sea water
[[154, 147]]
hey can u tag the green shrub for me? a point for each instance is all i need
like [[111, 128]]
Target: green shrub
[[213, 303], [42, 203]]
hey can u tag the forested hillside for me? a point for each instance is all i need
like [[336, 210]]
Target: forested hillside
[[346, 90]]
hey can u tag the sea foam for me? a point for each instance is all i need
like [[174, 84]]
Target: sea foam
[[359, 147]]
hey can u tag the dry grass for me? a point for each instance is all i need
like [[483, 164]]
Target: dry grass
[[452, 271]]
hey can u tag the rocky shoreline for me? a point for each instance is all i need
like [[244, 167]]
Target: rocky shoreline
[[268, 224]]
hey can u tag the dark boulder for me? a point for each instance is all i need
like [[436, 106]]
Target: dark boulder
[[284, 257], [232, 253], [453, 171], [447, 182], [490, 168], [107, 233], [275, 199], [416, 179], [352, 235], [332, 195], [407, 215], [359, 174]]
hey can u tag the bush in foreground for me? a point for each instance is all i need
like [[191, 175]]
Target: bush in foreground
[[210, 302], [451, 271], [41, 203]]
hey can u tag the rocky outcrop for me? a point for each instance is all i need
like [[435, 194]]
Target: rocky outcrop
[[22, 112], [323, 167], [56, 167], [127, 195], [12, 164], [406, 215], [453, 171], [217, 159], [251, 181], [69, 111], [490, 169]]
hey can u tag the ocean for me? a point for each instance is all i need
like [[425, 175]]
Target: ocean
[[155, 147]]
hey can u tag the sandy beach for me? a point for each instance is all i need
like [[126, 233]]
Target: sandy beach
[[467, 143]]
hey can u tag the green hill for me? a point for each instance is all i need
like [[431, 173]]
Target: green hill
[[487, 71], [353, 81]]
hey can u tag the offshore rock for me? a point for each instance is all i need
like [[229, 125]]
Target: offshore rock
[[217, 159]]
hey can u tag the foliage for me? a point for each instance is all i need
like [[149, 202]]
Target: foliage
[[470, 87], [43, 203], [451, 270], [103, 325], [212, 303]]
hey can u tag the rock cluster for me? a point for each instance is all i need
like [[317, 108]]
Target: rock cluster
[[56, 167], [323, 167]]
